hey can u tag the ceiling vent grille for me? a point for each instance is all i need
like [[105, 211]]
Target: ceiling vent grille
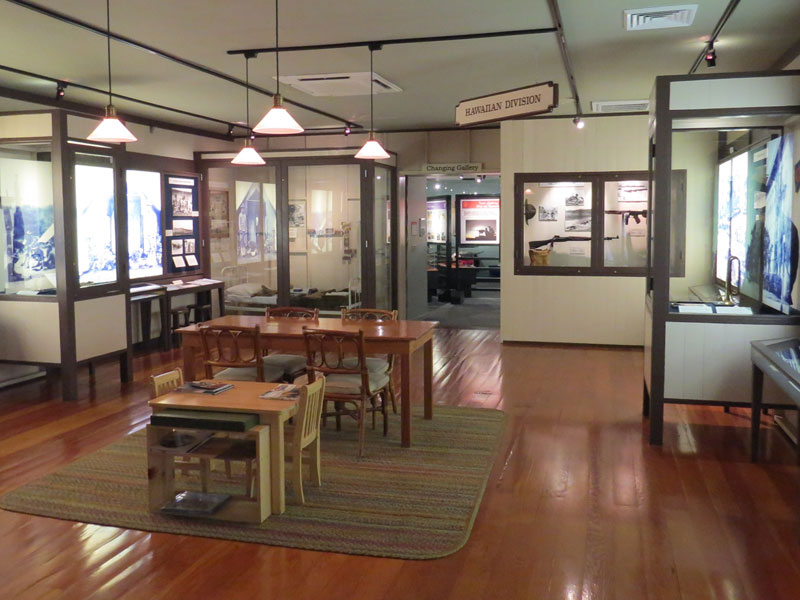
[[620, 106], [340, 84], [659, 17]]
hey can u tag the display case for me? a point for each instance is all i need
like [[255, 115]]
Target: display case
[[311, 229], [734, 135]]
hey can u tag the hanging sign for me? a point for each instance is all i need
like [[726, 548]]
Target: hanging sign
[[522, 102], [453, 168]]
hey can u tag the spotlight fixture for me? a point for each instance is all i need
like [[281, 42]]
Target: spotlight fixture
[[711, 56], [347, 130], [479, 179], [110, 129], [372, 148], [60, 90], [230, 131], [247, 155], [278, 121], [579, 123]]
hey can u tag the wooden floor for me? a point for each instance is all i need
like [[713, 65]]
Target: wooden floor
[[578, 505]]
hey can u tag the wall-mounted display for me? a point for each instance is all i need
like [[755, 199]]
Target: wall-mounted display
[[96, 219], [479, 221], [548, 213], [574, 200], [625, 227], [248, 208], [144, 223], [297, 213], [27, 242], [437, 220], [578, 219], [182, 220], [218, 212]]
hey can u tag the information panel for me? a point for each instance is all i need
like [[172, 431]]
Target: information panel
[[479, 221]]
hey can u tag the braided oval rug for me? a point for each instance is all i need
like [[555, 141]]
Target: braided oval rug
[[412, 503]]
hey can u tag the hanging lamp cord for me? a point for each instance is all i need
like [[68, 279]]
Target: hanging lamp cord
[[108, 46], [277, 54], [371, 97]]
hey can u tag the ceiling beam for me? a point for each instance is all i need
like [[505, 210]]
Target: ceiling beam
[[389, 42], [562, 45], [171, 57]]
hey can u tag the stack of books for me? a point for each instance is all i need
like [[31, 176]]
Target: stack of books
[[207, 387]]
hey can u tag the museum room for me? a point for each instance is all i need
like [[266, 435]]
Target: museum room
[[400, 300]]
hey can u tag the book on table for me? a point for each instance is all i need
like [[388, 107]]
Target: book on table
[[207, 387], [195, 504], [283, 391]]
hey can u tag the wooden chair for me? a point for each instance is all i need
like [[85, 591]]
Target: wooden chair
[[374, 363], [304, 435], [237, 351], [292, 365], [165, 383], [339, 356]]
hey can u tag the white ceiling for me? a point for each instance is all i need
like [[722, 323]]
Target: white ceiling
[[610, 63]]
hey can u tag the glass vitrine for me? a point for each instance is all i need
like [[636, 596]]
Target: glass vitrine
[[145, 238]]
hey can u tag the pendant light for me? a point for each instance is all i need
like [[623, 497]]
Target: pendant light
[[110, 129], [278, 121], [372, 149], [248, 154]]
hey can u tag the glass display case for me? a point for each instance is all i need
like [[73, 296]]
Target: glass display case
[[26, 205], [383, 237], [96, 219]]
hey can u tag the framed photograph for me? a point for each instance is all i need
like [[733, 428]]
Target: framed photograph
[[219, 213], [182, 202], [182, 227], [578, 220], [177, 247], [548, 213], [574, 200], [297, 213], [189, 246]]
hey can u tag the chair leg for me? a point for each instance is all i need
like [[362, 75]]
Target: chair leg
[[228, 473], [392, 395], [374, 408], [296, 476], [385, 414], [338, 407], [314, 464], [362, 416], [248, 476]]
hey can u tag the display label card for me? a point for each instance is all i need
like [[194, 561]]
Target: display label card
[[191, 260], [178, 262], [180, 181]]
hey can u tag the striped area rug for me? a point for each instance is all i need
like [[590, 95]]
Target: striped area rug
[[412, 503]]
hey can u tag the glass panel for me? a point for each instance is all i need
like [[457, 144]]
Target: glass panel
[[625, 226], [558, 223], [145, 253], [26, 206], [324, 236], [244, 236], [383, 242], [96, 218]]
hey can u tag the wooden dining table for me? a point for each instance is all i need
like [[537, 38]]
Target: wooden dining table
[[402, 338]]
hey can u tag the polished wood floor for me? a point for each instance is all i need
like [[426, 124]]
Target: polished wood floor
[[578, 505]]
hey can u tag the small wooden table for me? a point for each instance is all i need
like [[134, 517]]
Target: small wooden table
[[244, 397], [385, 337]]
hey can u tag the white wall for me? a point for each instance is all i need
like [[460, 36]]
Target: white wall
[[592, 310]]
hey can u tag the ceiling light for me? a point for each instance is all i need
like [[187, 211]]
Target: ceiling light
[[711, 56], [110, 129], [437, 186], [347, 129], [372, 149], [247, 155], [60, 90], [278, 121], [479, 179], [579, 123]]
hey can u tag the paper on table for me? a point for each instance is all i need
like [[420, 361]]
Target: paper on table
[[695, 309], [734, 310], [284, 391]]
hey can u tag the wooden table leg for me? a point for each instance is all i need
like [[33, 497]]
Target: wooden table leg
[[755, 420], [405, 400], [277, 469], [428, 348], [189, 362]]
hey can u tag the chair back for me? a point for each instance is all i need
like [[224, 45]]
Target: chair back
[[332, 352], [165, 382], [226, 346], [293, 312], [309, 413], [368, 314]]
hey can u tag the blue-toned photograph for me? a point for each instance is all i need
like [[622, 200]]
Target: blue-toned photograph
[[97, 246], [144, 223], [248, 207], [30, 244], [780, 238]]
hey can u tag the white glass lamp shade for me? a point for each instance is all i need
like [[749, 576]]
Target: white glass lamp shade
[[372, 150], [248, 156], [278, 121], [111, 130]]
